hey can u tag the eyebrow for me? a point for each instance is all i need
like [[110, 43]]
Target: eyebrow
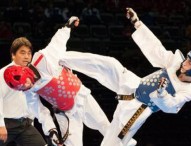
[[25, 51]]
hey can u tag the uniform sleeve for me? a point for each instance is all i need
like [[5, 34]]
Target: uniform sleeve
[[152, 48], [2, 123], [52, 53], [57, 46], [54, 50], [106, 70], [168, 103], [39, 111]]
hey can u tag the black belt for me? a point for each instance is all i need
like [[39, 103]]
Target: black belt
[[125, 97], [13, 123], [131, 121], [16, 120], [58, 111]]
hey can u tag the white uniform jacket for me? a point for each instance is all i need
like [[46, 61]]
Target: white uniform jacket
[[15, 104], [97, 66], [48, 66], [85, 110], [158, 56]]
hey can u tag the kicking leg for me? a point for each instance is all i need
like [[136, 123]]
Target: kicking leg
[[106, 70]]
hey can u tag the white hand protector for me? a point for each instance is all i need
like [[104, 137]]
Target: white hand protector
[[53, 135], [132, 15], [163, 83], [71, 21]]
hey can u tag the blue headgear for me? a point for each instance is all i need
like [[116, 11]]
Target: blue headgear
[[188, 72]]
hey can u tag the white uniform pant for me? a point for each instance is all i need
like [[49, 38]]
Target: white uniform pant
[[106, 70], [85, 111], [124, 111], [112, 74]]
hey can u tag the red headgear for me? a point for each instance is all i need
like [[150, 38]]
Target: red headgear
[[15, 76]]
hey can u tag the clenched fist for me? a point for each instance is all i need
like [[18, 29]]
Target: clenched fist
[[163, 84], [132, 15], [73, 22]]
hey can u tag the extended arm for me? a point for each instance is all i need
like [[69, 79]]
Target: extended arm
[[3, 130], [168, 103], [43, 115], [2, 123], [40, 112], [149, 44], [57, 46]]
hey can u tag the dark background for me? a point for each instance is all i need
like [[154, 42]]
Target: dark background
[[106, 31]]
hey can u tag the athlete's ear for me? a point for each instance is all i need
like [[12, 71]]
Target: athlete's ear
[[12, 56]]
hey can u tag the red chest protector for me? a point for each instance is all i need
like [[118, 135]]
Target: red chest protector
[[61, 90]]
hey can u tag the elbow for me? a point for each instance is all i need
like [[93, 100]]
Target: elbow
[[171, 110], [111, 59]]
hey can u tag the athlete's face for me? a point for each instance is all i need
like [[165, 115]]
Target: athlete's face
[[23, 56], [186, 65], [76, 23]]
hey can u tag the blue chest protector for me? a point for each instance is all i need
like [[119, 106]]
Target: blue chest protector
[[149, 84]]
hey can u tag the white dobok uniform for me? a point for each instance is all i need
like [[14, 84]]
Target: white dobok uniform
[[83, 108], [15, 104], [110, 73]]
